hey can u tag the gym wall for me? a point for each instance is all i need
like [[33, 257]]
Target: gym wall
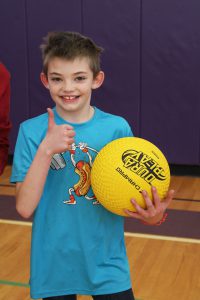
[[151, 62]]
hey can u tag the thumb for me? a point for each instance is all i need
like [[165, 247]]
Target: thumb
[[51, 121]]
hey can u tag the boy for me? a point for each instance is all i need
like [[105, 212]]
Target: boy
[[77, 245]]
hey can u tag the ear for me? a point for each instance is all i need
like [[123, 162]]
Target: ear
[[44, 80], [98, 80]]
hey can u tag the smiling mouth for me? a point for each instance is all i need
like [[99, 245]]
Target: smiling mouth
[[70, 98]]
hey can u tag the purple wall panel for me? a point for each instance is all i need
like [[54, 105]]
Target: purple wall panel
[[170, 78], [13, 54], [151, 62], [44, 16], [115, 25]]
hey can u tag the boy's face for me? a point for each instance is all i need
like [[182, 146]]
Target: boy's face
[[70, 84]]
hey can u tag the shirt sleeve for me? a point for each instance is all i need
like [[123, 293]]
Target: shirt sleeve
[[22, 157], [129, 132]]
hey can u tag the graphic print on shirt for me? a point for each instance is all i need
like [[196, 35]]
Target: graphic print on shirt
[[81, 168]]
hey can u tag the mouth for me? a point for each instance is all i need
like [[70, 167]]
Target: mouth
[[68, 99]]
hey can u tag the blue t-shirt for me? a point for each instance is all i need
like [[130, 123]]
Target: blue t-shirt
[[77, 245]]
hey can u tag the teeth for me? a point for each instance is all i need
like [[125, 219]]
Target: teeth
[[70, 97]]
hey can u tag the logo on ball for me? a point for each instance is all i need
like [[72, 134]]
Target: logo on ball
[[143, 165]]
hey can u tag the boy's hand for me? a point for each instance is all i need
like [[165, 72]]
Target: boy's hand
[[59, 138], [155, 209]]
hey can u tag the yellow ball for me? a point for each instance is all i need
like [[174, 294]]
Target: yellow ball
[[125, 167]]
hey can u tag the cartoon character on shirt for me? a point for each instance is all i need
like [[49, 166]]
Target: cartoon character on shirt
[[82, 168]]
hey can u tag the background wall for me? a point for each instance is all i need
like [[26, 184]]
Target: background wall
[[151, 61]]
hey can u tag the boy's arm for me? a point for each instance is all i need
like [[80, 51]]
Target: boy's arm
[[28, 193]]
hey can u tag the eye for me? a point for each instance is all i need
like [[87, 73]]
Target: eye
[[80, 78], [56, 79]]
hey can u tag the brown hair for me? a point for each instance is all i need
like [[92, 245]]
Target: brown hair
[[70, 45]]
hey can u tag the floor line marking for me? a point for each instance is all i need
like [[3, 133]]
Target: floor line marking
[[162, 237], [23, 223], [7, 185], [6, 282], [130, 234], [186, 199]]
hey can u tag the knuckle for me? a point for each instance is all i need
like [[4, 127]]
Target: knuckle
[[152, 214]]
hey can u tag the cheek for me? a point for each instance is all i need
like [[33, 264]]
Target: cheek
[[86, 89], [53, 94], [53, 89]]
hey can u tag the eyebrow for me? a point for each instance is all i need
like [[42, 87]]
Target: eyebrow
[[77, 73], [81, 72], [54, 73]]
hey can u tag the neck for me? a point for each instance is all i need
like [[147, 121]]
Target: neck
[[79, 116]]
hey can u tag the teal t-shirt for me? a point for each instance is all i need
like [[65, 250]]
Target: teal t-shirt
[[77, 245]]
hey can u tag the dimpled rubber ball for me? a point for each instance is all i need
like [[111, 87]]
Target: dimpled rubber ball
[[125, 167]]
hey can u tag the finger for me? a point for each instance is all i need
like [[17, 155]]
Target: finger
[[68, 130], [68, 127], [51, 121], [169, 198], [149, 203], [70, 141], [69, 133], [139, 209], [156, 198], [132, 214]]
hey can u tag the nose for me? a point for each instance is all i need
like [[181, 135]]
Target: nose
[[67, 86]]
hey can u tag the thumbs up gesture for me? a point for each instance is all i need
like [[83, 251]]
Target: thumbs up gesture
[[59, 138]]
